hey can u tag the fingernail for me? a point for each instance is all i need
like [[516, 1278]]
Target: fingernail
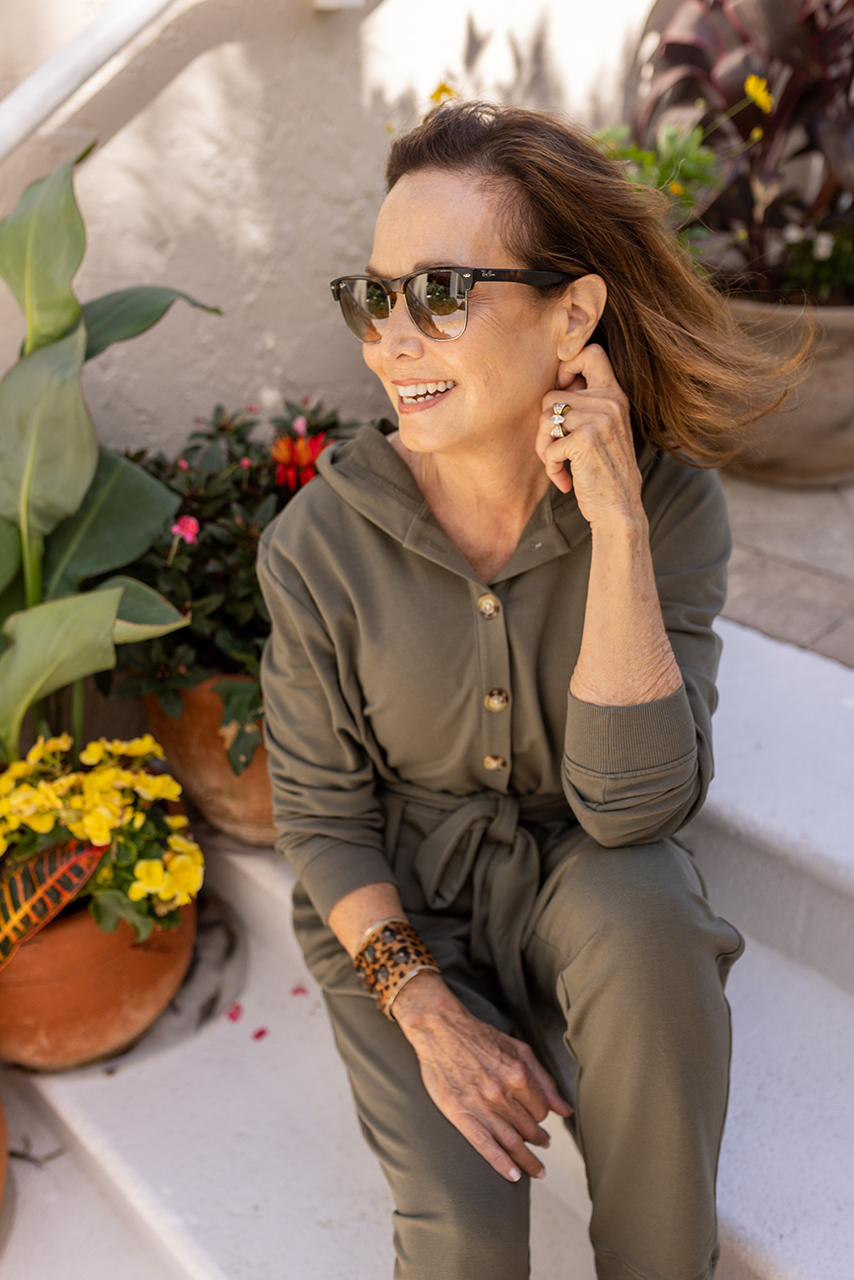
[[541, 1174], [514, 1175]]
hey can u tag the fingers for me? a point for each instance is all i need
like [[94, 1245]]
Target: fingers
[[500, 1145], [546, 1084], [593, 365]]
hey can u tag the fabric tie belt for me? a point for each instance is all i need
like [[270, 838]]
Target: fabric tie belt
[[479, 838]]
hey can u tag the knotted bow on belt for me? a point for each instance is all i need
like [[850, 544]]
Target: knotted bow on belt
[[481, 840]]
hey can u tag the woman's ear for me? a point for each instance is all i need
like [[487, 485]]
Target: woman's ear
[[578, 314]]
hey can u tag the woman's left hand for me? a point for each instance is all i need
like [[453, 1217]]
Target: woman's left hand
[[597, 440]]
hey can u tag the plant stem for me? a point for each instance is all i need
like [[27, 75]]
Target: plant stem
[[727, 115], [32, 550], [78, 699]]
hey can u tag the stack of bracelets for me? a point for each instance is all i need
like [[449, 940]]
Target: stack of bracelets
[[389, 954]]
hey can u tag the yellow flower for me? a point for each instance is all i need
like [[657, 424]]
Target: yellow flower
[[189, 848], [151, 873], [176, 821], [443, 93], [19, 769], [7, 783], [41, 822], [4, 843], [757, 134], [53, 746], [105, 875], [94, 753], [138, 820], [756, 89], [118, 747], [677, 189], [36, 752], [186, 876], [137, 891], [157, 786], [98, 826], [145, 746]]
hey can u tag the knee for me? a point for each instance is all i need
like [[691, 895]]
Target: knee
[[639, 907]]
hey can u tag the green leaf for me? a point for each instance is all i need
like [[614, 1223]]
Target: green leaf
[[12, 600], [128, 312], [52, 645], [124, 511], [143, 614], [241, 753], [10, 553], [41, 246], [109, 906], [241, 700], [48, 449]]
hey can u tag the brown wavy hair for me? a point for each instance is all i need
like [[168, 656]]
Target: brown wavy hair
[[694, 380]]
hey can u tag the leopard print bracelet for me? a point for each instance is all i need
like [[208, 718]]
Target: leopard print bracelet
[[390, 953]]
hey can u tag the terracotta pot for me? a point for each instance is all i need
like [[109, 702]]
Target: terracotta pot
[[812, 442], [4, 1152], [73, 994], [240, 805]]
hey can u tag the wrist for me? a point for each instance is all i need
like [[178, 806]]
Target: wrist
[[425, 997]]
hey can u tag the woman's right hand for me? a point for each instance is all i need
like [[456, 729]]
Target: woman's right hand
[[490, 1086]]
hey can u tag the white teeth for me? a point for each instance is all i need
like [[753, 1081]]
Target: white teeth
[[431, 387], [421, 389]]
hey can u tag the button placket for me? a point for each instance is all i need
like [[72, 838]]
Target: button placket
[[494, 692]]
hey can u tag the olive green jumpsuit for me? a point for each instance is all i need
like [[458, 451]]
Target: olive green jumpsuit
[[421, 731]]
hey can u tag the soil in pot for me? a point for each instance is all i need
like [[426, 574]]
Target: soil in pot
[[240, 805], [74, 994], [810, 441]]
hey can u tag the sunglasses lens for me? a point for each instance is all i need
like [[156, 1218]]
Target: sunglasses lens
[[365, 305], [437, 303]]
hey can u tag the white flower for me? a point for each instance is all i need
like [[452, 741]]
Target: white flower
[[823, 246], [793, 234]]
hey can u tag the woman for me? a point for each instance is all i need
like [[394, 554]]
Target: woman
[[489, 688]]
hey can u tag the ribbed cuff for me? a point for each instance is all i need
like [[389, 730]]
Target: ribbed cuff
[[337, 871], [611, 740]]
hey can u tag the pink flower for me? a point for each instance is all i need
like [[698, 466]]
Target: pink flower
[[235, 1013], [260, 1033], [186, 527], [252, 408], [183, 464], [246, 463], [300, 425]]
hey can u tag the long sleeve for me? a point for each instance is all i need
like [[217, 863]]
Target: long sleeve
[[324, 802], [633, 775]]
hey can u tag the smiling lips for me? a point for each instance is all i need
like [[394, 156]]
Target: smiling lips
[[423, 392]]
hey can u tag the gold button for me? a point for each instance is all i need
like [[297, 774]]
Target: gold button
[[488, 606], [494, 763], [496, 700]]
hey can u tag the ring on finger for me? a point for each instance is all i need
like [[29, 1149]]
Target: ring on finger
[[557, 431]]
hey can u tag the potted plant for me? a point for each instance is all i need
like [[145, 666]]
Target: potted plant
[[69, 512], [98, 836], [201, 689], [768, 84]]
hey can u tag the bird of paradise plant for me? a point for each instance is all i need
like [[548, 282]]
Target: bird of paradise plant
[[69, 512]]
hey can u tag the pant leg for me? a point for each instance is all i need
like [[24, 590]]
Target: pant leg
[[627, 943], [455, 1218]]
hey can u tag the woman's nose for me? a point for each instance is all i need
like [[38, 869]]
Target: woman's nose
[[400, 333]]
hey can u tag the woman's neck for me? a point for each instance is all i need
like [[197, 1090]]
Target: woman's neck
[[483, 504]]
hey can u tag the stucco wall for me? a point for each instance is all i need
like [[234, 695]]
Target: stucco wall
[[240, 152]]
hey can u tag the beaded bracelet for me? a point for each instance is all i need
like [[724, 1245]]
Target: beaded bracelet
[[389, 954]]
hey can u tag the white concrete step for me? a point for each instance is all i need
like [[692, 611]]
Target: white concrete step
[[241, 1158], [775, 839], [55, 1222]]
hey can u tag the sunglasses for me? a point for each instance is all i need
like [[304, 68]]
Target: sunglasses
[[437, 300]]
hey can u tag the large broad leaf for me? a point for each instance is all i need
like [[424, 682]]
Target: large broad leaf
[[127, 312], [41, 246], [10, 553], [33, 893], [124, 510], [143, 614], [52, 645], [48, 449]]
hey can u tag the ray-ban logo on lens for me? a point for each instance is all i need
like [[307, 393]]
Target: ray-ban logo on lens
[[486, 274]]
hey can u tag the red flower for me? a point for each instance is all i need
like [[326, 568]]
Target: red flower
[[246, 463], [183, 464], [260, 1033], [296, 458], [186, 527]]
